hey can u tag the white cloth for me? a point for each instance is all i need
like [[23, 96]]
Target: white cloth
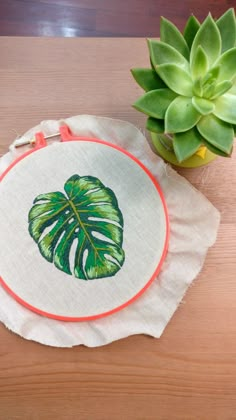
[[194, 223]]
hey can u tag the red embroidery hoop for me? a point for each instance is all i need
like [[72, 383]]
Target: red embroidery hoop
[[66, 136]]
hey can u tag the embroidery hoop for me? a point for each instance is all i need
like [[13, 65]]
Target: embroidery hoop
[[67, 137]]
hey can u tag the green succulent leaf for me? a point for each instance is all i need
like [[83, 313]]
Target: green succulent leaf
[[225, 108], [162, 53], [197, 87], [154, 125], [152, 66], [86, 214], [227, 28], [155, 102], [211, 75], [172, 36], [199, 64], [222, 88], [186, 144], [148, 79], [181, 115], [233, 89], [176, 78], [209, 89], [219, 133], [208, 36], [214, 149], [227, 65], [204, 106], [191, 29]]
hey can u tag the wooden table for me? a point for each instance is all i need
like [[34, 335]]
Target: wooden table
[[100, 17], [190, 373]]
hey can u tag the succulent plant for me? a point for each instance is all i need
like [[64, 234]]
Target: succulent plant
[[191, 85]]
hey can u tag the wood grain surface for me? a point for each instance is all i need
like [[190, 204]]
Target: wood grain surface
[[69, 18], [190, 372]]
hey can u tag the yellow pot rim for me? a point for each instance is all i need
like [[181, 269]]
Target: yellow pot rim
[[194, 161]]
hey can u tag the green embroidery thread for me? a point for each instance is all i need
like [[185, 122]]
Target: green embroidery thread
[[88, 213]]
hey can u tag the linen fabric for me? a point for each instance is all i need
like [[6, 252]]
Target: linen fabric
[[194, 223]]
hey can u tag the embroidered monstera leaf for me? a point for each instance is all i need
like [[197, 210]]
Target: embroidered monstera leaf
[[81, 230]]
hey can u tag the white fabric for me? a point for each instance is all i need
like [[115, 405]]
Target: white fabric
[[194, 223]]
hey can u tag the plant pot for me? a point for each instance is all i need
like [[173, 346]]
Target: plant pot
[[164, 148]]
